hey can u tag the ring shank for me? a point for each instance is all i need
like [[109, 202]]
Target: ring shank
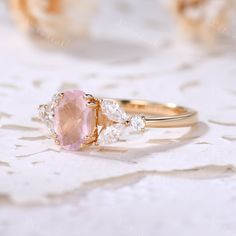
[[159, 115]]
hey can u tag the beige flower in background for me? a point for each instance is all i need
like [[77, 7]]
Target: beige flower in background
[[203, 20], [54, 19]]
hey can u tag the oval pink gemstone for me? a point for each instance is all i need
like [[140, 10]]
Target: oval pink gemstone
[[73, 120]]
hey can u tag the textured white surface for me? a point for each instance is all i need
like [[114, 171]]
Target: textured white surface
[[168, 182]]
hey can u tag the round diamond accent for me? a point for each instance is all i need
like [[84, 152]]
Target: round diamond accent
[[137, 123]]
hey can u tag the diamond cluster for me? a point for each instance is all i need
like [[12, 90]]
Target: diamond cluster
[[122, 120], [47, 112]]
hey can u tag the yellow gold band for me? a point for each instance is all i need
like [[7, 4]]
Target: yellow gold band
[[159, 115]]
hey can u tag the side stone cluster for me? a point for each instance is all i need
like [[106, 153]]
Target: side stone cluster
[[47, 113], [121, 119]]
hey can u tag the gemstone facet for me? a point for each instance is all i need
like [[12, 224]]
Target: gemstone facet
[[137, 123], [73, 120]]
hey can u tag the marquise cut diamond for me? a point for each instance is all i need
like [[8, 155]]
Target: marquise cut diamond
[[113, 111], [111, 134]]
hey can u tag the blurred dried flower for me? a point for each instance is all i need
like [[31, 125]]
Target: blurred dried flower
[[54, 19], [203, 20]]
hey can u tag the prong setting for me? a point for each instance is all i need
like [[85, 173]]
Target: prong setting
[[57, 141], [61, 95], [88, 97], [93, 105]]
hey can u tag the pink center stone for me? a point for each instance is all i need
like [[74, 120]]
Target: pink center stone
[[73, 120]]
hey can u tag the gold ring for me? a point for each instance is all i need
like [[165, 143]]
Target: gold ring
[[76, 119]]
